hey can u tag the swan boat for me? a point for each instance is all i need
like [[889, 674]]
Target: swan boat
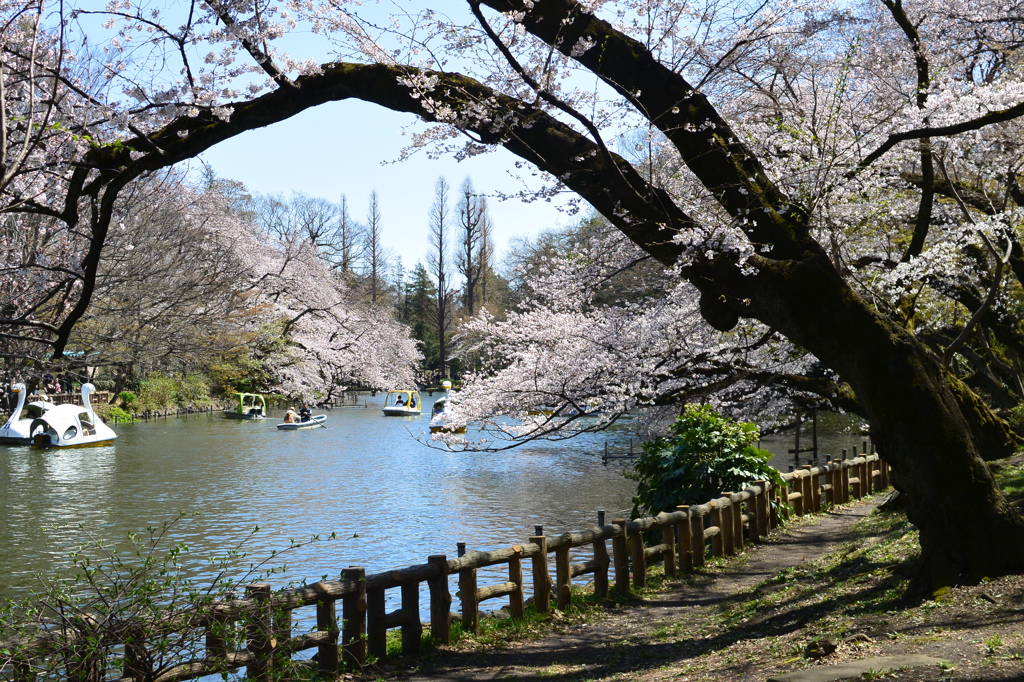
[[402, 403], [16, 429], [247, 406], [314, 422], [437, 424], [69, 426]]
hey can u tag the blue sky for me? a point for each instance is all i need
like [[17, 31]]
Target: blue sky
[[343, 147]]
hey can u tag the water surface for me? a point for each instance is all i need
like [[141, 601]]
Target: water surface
[[391, 500]]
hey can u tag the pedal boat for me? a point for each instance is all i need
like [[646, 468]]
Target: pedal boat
[[71, 426], [402, 403], [16, 430]]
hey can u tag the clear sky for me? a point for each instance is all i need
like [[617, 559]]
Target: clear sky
[[344, 148]]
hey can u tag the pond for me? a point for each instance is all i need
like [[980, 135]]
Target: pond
[[390, 499]]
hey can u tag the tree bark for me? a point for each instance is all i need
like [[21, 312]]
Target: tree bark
[[916, 419]]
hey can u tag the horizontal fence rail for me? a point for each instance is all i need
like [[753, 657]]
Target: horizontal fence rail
[[256, 632]]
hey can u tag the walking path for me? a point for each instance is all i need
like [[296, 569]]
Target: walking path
[[623, 645]]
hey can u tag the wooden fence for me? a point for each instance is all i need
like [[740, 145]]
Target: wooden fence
[[263, 621]]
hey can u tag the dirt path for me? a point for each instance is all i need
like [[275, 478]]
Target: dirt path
[[624, 644]]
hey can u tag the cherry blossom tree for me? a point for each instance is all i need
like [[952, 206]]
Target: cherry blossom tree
[[829, 166], [604, 330]]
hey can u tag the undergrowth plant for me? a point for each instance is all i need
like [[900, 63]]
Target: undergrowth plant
[[138, 604], [705, 455]]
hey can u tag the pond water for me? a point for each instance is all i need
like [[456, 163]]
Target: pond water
[[391, 500]]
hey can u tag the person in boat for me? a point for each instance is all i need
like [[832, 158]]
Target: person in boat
[[304, 413], [291, 416], [400, 400]]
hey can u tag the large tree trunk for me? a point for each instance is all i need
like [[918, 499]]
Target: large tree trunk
[[968, 530]]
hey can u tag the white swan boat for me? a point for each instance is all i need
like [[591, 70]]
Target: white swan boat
[[16, 429], [437, 416], [70, 426], [402, 403]]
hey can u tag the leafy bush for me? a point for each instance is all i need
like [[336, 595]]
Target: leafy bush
[[705, 455], [156, 392], [117, 414], [160, 391], [127, 400], [191, 391]]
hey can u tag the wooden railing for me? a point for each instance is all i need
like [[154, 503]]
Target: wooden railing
[[73, 398], [263, 621]]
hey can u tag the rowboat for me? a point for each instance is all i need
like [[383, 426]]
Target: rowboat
[[314, 422]]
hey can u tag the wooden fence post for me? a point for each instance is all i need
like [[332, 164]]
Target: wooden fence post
[[353, 615], [541, 577], [737, 521], [717, 542], [468, 598], [516, 602], [844, 484], [259, 641], [761, 505], [412, 627], [639, 561], [806, 494], [807, 489], [685, 541], [327, 621], [376, 626], [620, 550], [440, 600], [601, 563], [217, 641], [796, 486], [698, 545], [563, 576], [668, 538]]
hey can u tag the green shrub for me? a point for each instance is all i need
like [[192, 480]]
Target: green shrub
[[705, 455], [127, 400], [191, 391], [160, 392], [116, 414], [156, 392]]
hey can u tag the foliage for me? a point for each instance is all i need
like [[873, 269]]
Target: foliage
[[127, 400], [142, 594], [117, 414], [707, 454], [160, 391]]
